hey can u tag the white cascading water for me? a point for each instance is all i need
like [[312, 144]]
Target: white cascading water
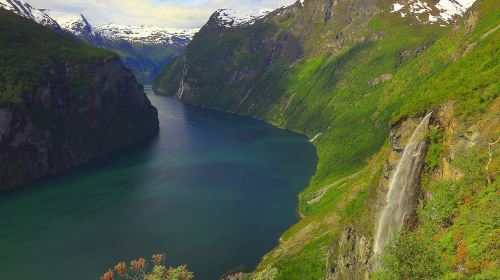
[[180, 92], [402, 185]]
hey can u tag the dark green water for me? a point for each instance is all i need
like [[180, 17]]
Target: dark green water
[[211, 190]]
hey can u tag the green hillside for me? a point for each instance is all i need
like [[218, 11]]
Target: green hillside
[[28, 50], [62, 103], [350, 80]]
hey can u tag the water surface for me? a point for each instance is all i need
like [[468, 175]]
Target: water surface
[[211, 190]]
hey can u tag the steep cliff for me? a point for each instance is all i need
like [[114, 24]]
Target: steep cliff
[[62, 103], [356, 76]]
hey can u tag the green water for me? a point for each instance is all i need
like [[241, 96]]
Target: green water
[[211, 190]]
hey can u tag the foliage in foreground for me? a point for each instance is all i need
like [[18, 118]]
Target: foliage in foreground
[[138, 270]]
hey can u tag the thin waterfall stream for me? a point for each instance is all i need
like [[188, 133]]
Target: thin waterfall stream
[[402, 187]]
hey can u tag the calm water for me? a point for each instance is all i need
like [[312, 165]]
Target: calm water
[[211, 190]]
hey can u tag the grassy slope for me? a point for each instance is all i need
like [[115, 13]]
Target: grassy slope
[[331, 95], [459, 219], [27, 51]]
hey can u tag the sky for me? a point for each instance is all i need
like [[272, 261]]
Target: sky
[[161, 13]]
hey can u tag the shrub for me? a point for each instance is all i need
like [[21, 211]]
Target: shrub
[[138, 270], [409, 257]]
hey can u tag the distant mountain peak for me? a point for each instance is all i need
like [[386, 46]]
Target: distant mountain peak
[[74, 23], [147, 34], [26, 10], [233, 18]]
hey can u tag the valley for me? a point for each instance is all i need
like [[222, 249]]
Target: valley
[[144, 49], [396, 166]]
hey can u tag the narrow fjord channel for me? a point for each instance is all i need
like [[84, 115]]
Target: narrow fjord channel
[[211, 190]]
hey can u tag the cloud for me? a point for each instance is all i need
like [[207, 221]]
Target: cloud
[[163, 13]]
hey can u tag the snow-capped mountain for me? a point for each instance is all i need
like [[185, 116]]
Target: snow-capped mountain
[[147, 34], [77, 25], [431, 11], [144, 49], [232, 18], [26, 10]]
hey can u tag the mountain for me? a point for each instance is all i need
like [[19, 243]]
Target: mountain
[[148, 35], [232, 18], [26, 10], [77, 25], [62, 103], [360, 78], [442, 11], [144, 49]]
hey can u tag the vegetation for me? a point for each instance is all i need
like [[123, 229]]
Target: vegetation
[[409, 257], [419, 67], [433, 157], [28, 52], [457, 236], [138, 270], [80, 100], [143, 60], [267, 273]]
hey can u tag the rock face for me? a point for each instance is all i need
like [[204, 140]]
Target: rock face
[[78, 109], [350, 257], [352, 254]]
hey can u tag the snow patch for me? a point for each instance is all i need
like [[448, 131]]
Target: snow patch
[[396, 7], [451, 8], [443, 12], [75, 23], [232, 18], [145, 33], [26, 10]]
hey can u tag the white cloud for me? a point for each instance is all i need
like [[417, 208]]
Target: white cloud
[[162, 13]]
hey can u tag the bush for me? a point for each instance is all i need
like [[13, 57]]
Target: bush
[[138, 270], [409, 257]]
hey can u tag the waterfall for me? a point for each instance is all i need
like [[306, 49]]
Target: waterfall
[[402, 185], [180, 92]]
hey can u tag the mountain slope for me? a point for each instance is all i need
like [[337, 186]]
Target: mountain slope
[[356, 76], [144, 49], [77, 25], [62, 103]]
